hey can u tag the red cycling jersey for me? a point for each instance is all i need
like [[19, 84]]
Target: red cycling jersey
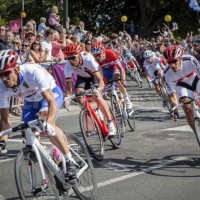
[[111, 59]]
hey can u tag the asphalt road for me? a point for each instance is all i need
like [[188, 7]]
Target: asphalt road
[[159, 161]]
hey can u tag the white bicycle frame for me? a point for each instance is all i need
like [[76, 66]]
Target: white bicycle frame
[[43, 155]]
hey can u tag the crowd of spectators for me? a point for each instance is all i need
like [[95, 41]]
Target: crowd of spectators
[[44, 41]]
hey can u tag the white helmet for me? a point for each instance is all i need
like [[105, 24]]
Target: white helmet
[[148, 54], [8, 60]]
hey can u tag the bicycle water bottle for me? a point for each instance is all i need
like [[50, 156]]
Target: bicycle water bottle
[[56, 154], [100, 114]]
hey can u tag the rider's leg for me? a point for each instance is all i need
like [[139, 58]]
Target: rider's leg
[[123, 91], [187, 108]]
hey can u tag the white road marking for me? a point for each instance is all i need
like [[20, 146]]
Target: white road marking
[[2, 198], [130, 175], [180, 128]]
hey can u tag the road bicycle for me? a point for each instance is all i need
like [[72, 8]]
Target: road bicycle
[[196, 114], [38, 176], [93, 126], [163, 91], [132, 72], [118, 106]]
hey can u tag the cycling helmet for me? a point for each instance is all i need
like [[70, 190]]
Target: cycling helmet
[[172, 53], [72, 49], [97, 47], [148, 54], [8, 60]]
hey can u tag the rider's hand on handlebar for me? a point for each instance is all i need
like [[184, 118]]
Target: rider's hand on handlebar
[[66, 103], [174, 115]]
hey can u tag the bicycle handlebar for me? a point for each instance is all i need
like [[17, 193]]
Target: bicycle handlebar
[[112, 81], [21, 126], [184, 103]]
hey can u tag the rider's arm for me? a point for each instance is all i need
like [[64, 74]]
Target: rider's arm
[[68, 87], [52, 106], [99, 79], [4, 116]]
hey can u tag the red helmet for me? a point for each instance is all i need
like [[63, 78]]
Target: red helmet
[[97, 47], [8, 60], [172, 53], [72, 49]]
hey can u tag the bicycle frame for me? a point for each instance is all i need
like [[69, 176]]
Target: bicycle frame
[[40, 152], [101, 123], [42, 155]]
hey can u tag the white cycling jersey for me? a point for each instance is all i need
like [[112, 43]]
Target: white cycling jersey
[[150, 68], [88, 67], [190, 68], [33, 80]]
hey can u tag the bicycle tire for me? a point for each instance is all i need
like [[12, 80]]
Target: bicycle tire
[[164, 95], [116, 108], [137, 79], [93, 136], [117, 138], [131, 120], [197, 129], [85, 186], [25, 158]]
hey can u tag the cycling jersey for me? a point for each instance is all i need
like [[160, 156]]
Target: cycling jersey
[[88, 67], [190, 71], [33, 80], [151, 68], [111, 59], [130, 61]]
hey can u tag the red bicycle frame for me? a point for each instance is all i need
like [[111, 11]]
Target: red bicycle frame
[[101, 123]]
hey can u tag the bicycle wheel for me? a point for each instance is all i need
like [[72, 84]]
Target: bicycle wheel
[[116, 108], [85, 186], [91, 134], [117, 138], [28, 178], [197, 129], [165, 96], [131, 119], [137, 79]]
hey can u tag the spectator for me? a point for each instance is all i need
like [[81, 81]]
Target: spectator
[[2, 32], [25, 53], [88, 45], [57, 47], [7, 42], [16, 44], [88, 36], [42, 26], [36, 52], [46, 44], [30, 37], [39, 37], [54, 18]]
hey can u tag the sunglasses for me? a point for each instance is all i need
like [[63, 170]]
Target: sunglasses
[[36, 43], [24, 45], [71, 57], [5, 74], [172, 62], [15, 42]]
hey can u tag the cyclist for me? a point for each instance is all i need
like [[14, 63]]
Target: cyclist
[[131, 64], [112, 69], [87, 70], [41, 95], [184, 71], [153, 68]]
